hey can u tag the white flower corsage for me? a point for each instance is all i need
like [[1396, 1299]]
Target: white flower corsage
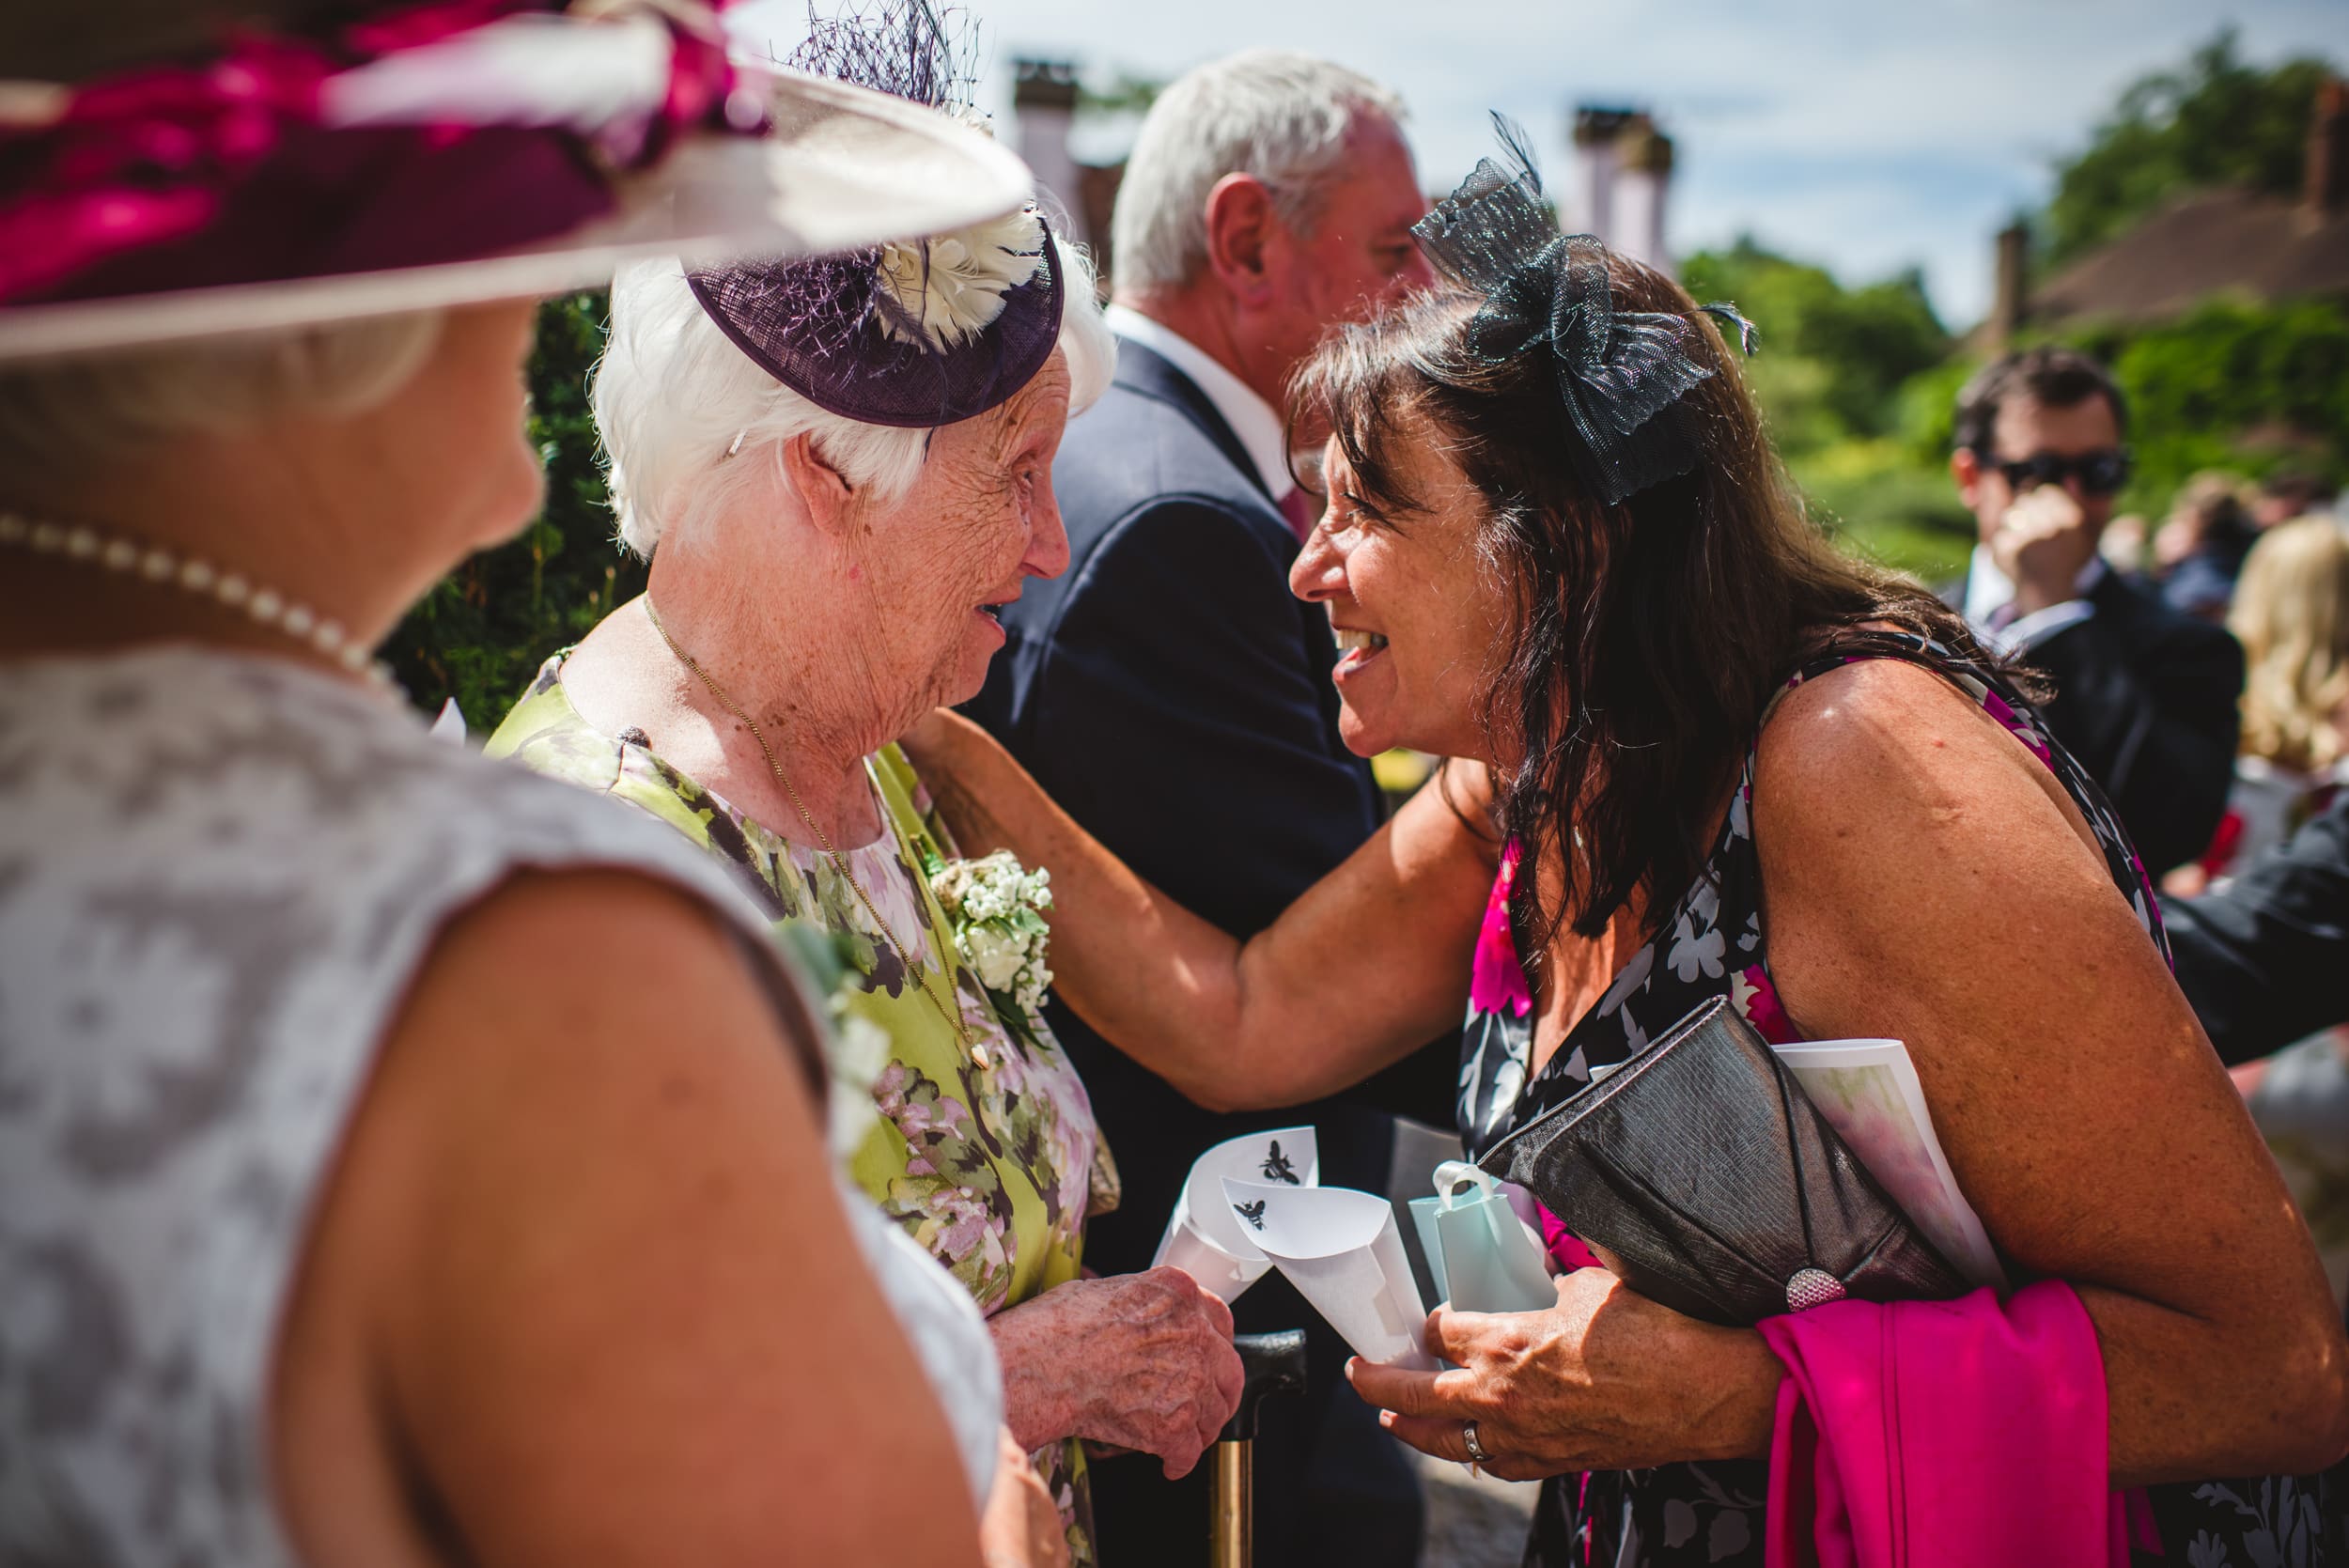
[[996, 907]]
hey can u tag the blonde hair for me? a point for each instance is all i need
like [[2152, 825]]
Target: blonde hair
[[2291, 616]]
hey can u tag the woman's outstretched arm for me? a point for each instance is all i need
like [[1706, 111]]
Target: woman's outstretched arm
[[1364, 967]]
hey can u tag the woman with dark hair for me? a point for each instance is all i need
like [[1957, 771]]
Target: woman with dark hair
[[1700, 755]]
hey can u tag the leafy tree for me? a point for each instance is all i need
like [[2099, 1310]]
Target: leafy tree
[[1127, 93], [2216, 122], [2240, 386], [1832, 358], [483, 630]]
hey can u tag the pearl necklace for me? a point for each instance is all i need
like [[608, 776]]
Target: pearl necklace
[[264, 606]]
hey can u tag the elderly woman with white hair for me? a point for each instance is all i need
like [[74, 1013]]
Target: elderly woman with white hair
[[839, 471]]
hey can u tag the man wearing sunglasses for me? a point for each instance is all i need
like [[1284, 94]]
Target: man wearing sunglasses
[[2145, 697]]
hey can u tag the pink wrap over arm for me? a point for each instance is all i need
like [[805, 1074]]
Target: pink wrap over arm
[[1935, 1434]]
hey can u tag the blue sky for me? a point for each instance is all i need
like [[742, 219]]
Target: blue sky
[[1866, 134]]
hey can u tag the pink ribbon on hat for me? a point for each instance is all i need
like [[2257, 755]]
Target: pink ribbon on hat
[[134, 181]]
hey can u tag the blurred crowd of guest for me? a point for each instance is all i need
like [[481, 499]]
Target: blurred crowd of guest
[[2200, 670]]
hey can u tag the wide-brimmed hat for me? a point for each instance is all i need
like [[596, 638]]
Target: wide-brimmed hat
[[446, 153]]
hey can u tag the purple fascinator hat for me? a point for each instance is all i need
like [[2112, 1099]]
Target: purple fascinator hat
[[916, 334]]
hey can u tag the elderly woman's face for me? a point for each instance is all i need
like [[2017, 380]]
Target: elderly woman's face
[[978, 523], [1415, 613]]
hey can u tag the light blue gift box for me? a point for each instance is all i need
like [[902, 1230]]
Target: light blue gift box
[[1482, 1254]]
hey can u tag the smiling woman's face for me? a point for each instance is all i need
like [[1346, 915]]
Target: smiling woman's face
[[1419, 617]]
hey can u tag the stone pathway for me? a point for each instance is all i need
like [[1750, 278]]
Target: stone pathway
[[1472, 1521]]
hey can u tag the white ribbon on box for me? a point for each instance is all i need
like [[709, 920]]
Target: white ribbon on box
[[1203, 1237]]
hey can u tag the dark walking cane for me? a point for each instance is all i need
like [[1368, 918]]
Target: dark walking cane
[[1269, 1364]]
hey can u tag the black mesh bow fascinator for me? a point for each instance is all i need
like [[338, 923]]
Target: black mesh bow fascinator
[[1621, 374], [918, 334]]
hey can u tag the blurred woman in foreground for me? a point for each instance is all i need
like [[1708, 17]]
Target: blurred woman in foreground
[[319, 1244]]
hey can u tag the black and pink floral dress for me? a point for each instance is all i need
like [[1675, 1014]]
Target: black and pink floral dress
[[1712, 943]]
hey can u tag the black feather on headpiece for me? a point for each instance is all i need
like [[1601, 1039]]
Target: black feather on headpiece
[[1620, 374]]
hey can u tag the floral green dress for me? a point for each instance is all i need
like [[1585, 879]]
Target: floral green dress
[[992, 1168]]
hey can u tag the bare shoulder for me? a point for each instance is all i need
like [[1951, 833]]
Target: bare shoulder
[[1850, 722], [527, 1041], [576, 1010], [1885, 744], [582, 1236]]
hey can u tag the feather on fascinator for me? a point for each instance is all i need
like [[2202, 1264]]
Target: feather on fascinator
[[1621, 374], [917, 333]]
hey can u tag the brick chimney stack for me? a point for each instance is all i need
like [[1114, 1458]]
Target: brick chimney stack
[[2324, 186], [1643, 187], [2010, 304], [1623, 181], [1596, 161], [1042, 112]]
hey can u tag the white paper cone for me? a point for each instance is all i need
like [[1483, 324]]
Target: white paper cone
[[1203, 1237], [1219, 1273], [1342, 1253]]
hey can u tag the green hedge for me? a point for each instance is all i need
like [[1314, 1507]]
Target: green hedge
[[484, 629]]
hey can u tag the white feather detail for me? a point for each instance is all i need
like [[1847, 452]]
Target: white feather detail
[[946, 290]]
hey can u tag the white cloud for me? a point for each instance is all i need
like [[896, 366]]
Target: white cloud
[[1868, 135]]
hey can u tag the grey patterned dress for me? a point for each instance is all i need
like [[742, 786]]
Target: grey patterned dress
[[218, 875]]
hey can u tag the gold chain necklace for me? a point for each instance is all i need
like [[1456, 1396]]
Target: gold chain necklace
[[976, 1050]]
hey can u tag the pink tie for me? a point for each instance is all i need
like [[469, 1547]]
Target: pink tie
[[1302, 512]]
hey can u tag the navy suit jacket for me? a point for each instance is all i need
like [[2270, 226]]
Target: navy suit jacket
[[2145, 699], [1175, 697], [1167, 689], [2261, 956], [1172, 694]]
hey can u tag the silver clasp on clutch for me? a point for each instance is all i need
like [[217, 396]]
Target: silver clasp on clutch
[[1807, 1288]]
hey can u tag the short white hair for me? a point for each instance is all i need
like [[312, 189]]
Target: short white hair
[[1280, 116], [672, 396]]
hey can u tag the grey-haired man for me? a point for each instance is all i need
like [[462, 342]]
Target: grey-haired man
[[1175, 697]]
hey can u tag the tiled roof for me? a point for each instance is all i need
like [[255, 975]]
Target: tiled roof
[[2269, 247]]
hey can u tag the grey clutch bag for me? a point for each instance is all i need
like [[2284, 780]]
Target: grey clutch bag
[[1706, 1171]]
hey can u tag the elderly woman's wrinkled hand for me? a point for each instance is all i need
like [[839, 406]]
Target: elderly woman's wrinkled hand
[[1605, 1380], [1136, 1360]]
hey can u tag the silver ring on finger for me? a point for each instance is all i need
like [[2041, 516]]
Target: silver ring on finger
[[1474, 1445]]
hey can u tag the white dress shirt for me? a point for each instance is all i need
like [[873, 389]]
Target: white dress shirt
[[1990, 599], [1256, 422]]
